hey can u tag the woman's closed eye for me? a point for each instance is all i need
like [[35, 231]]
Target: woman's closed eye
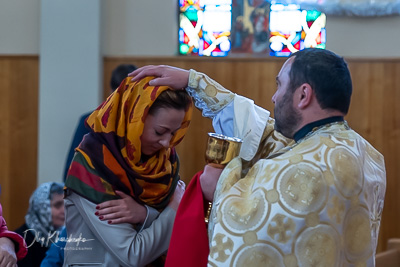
[[162, 132]]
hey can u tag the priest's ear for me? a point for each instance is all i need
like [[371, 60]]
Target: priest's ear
[[303, 96]]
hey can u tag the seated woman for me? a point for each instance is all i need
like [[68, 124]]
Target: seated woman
[[44, 218], [128, 156]]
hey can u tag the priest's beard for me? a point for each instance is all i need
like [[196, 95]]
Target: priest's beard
[[287, 118]]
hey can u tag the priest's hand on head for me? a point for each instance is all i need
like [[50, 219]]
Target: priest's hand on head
[[173, 77]]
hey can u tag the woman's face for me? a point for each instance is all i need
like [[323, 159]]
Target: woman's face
[[57, 210], [159, 128]]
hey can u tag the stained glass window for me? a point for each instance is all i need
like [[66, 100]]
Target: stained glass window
[[293, 29], [205, 27], [250, 20], [219, 27]]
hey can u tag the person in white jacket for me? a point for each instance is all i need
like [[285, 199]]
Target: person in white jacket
[[129, 155]]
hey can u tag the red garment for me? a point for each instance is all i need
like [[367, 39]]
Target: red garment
[[19, 242], [189, 240]]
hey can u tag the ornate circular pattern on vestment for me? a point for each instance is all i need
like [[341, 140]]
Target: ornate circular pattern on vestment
[[260, 254], [210, 90], [302, 188], [357, 234], [245, 212], [346, 171], [318, 246]]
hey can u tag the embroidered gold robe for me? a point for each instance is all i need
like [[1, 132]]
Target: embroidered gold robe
[[317, 202]]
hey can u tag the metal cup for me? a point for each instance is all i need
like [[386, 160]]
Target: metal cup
[[221, 149]]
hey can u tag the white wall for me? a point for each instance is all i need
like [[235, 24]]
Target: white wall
[[72, 36], [70, 77], [140, 27], [19, 27], [364, 37]]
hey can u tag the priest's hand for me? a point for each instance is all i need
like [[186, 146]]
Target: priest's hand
[[173, 77]]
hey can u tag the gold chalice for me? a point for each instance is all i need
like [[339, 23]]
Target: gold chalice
[[221, 149]]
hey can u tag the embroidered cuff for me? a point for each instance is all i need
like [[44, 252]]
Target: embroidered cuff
[[209, 96]]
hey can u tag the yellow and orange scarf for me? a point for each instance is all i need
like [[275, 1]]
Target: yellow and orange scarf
[[109, 157]]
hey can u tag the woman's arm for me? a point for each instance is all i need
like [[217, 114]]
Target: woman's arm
[[128, 246], [127, 210]]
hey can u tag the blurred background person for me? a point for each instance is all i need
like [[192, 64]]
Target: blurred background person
[[44, 218]]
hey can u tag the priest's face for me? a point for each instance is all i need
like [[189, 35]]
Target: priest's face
[[287, 117]]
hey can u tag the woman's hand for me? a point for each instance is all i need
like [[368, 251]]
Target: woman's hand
[[178, 194], [208, 181], [173, 77], [124, 210]]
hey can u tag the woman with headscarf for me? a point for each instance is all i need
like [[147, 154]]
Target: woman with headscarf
[[128, 155], [44, 218]]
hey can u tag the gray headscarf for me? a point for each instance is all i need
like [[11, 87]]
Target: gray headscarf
[[38, 217]]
